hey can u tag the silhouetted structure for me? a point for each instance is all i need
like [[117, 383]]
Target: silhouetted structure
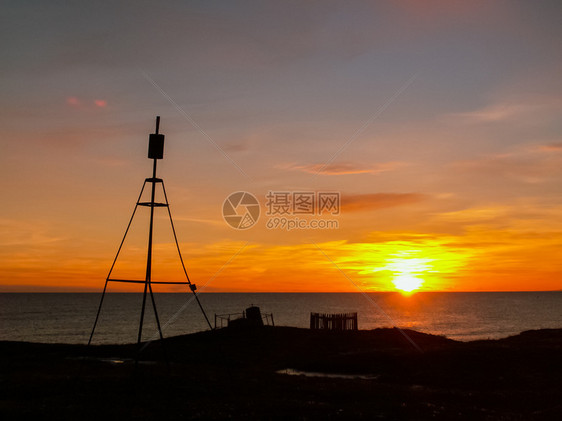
[[155, 152], [343, 321], [251, 317]]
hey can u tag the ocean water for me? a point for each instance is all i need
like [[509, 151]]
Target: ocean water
[[68, 318]]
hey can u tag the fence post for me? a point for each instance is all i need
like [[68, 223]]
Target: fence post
[[338, 321]]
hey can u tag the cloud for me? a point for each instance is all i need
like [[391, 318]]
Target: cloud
[[478, 215], [200, 220], [341, 168], [493, 113], [236, 147], [530, 163], [364, 202], [521, 109], [73, 101], [76, 102], [523, 215], [25, 233], [551, 147]]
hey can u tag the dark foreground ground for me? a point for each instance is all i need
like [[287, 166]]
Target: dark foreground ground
[[232, 374]]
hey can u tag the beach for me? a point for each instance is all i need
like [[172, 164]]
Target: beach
[[288, 373]]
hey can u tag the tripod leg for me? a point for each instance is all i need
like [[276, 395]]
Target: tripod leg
[[140, 324], [98, 315], [114, 261], [158, 325], [202, 310], [181, 258]]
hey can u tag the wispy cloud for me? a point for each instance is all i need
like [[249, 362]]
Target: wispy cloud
[[236, 147], [342, 168], [26, 233], [529, 163], [551, 147], [493, 113], [479, 215], [200, 220], [518, 109], [363, 202]]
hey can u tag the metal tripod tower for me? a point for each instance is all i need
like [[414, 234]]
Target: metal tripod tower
[[155, 152]]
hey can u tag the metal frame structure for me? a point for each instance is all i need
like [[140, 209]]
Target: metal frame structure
[[158, 145]]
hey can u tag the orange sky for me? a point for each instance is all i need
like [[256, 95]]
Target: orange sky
[[438, 126]]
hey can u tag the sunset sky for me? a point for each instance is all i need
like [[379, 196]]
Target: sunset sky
[[439, 123]]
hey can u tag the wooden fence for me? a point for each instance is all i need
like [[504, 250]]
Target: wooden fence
[[343, 321]]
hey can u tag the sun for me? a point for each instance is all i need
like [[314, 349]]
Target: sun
[[407, 282], [407, 271], [408, 266]]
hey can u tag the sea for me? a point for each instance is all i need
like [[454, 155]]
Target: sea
[[464, 316]]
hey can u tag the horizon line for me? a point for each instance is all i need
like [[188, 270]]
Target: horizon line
[[273, 292]]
